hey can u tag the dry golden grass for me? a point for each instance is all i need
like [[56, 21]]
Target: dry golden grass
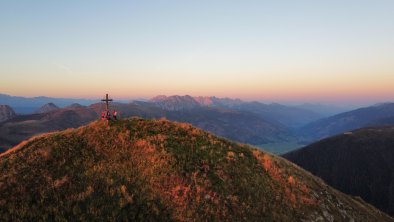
[[147, 170]]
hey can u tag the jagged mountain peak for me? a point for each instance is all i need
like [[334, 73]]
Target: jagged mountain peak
[[175, 103]]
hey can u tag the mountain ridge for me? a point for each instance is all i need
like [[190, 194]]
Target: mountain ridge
[[286, 115], [351, 120], [142, 170], [27, 105], [358, 162]]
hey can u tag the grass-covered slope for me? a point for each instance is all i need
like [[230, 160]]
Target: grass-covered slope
[[147, 170]]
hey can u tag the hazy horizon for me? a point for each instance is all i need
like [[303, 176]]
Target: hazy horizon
[[339, 106], [336, 52]]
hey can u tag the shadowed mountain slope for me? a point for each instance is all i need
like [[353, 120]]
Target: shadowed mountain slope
[[368, 116], [359, 163], [155, 170], [23, 127], [240, 126]]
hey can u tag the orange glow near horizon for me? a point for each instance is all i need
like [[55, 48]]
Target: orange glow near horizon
[[297, 88], [295, 82]]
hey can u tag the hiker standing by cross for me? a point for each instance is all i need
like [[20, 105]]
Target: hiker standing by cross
[[107, 100]]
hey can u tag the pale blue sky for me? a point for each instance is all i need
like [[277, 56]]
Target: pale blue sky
[[268, 50]]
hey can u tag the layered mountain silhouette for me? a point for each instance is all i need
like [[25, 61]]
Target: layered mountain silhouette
[[289, 116], [6, 113], [285, 115], [233, 124], [359, 163], [247, 122], [368, 116], [322, 109], [22, 127], [24, 105], [150, 170]]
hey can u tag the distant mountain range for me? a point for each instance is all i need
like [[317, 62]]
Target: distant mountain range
[[156, 170], [286, 115], [359, 163], [324, 110], [254, 123], [265, 125], [175, 103], [24, 105], [189, 102], [381, 114], [237, 125], [292, 117]]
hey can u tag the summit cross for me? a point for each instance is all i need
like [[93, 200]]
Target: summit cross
[[106, 100]]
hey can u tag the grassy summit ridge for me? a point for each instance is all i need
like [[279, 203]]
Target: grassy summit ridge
[[156, 170]]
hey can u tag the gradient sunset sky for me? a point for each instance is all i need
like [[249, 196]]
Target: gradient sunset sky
[[337, 51]]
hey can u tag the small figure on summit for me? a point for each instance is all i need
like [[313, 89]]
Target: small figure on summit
[[108, 115], [115, 115]]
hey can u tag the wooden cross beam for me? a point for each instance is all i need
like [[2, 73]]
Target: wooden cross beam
[[106, 100]]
